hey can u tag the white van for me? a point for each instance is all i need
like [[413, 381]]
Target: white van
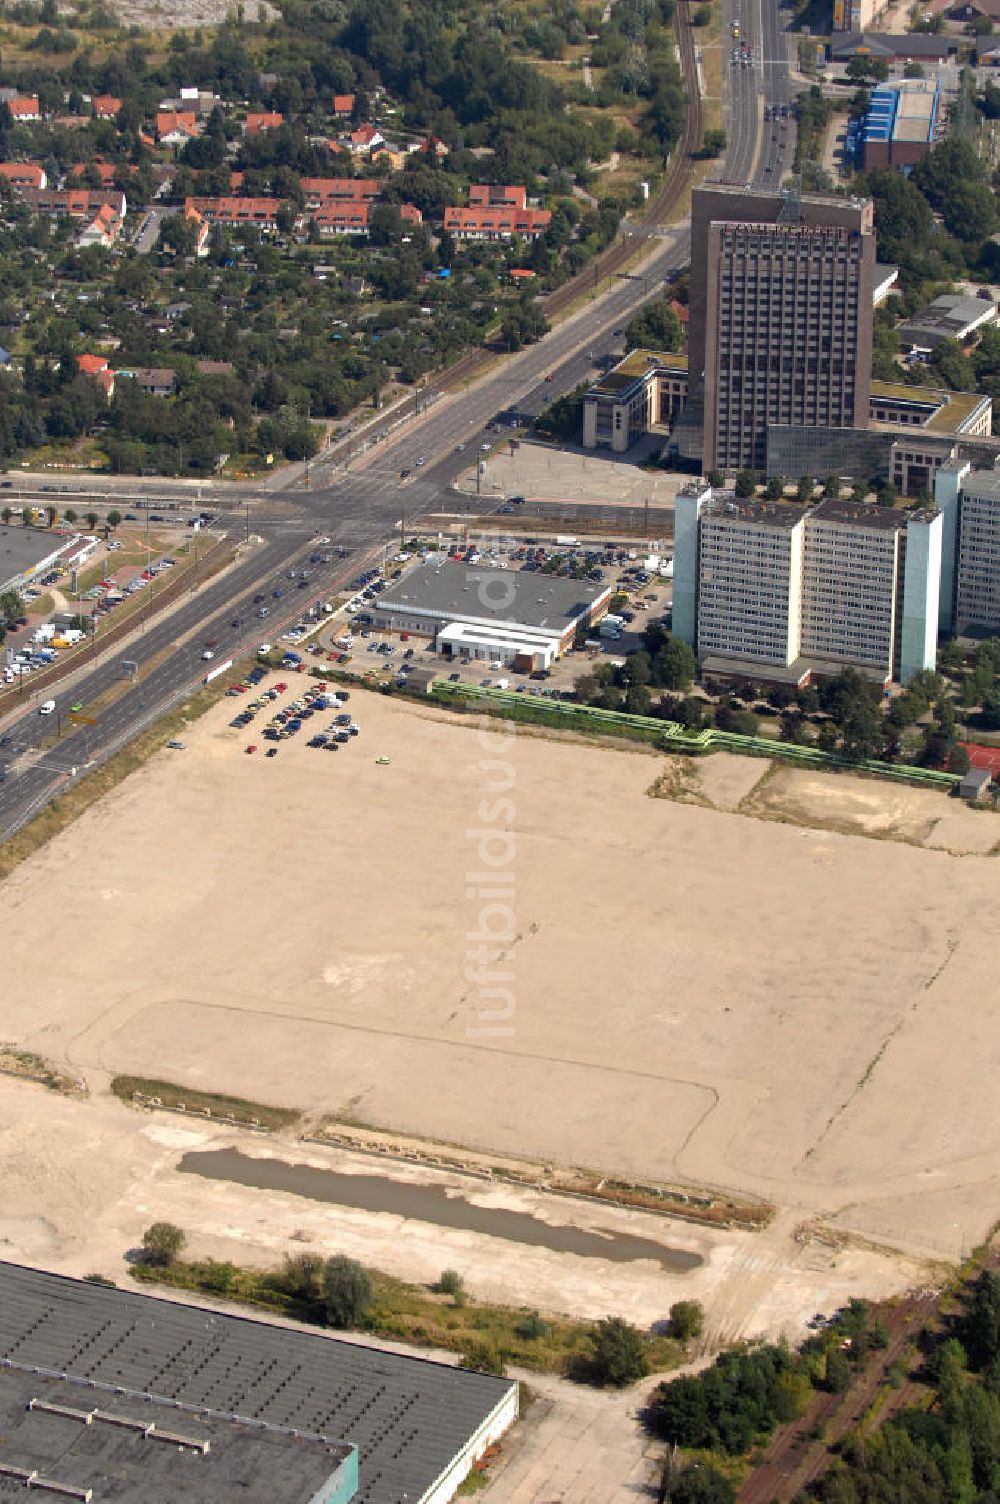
[[47, 707]]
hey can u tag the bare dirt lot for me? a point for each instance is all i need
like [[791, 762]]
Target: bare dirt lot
[[680, 993], [858, 806]]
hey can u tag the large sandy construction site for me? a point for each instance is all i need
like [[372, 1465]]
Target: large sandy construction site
[[503, 941]]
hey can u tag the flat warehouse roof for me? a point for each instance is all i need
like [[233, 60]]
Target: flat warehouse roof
[[130, 1448], [23, 549], [408, 1417], [468, 592]]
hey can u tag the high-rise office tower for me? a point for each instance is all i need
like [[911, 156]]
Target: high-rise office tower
[[781, 320]]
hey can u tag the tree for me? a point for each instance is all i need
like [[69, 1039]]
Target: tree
[[675, 665], [71, 514], [302, 1278], [700, 1484], [619, 1352], [861, 67], [162, 1242], [114, 518], [11, 604], [656, 326], [714, 142], [775, 489], [838, 1371], [805, 488], [746, 484], [687, 1319], [92, 520], [347, 1291]]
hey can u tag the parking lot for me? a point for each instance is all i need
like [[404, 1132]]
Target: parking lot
[[273, 711], [352, 640]]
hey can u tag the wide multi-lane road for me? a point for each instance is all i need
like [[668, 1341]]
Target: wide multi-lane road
[[356, 505]]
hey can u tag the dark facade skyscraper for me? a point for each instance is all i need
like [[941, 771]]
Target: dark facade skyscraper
[[781, 320]]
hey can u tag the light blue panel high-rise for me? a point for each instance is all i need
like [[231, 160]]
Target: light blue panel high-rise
[[948, 500], [687, 510], [921, 592]]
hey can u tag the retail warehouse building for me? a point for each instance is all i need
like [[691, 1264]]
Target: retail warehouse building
[[109, 1395], [511, 616]]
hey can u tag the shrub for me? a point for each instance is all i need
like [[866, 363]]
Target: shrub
[[483, 1357], [532, 1327], [162, 1243], [347, 1291], [619, 1352], [687, 1320], [451, 1283]]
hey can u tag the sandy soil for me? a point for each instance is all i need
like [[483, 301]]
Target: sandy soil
[[104, 1172], [873, 807], [725, 780], [795, 1013]]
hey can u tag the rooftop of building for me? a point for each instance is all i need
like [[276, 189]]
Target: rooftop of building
[[765, 195], [777, 514], [950, 316], [859, 514], [984, 483], [444, 588], [947, 412], [129, 1448], [635, 365], [408, 1417], [23, 548]]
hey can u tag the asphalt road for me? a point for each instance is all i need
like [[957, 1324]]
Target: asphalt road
[[356, 506], [223, 611]]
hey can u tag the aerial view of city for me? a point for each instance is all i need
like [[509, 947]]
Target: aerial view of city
[[499, 743]]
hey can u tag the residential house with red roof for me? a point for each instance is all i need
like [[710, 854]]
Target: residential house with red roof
[[341, 218], [102, 230], [262, 212], [106, 106], [25, 108], [492, 195], [176, 127], [24, 174], [498, 223], [365, 139], [201, 228], [262, 120], [77, 203], [343, 104], [318, 191]]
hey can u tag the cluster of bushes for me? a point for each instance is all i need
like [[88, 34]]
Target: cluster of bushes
[[947, 1452], [339, 1292], [747, 1393]]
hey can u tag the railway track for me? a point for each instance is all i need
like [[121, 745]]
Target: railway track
[[801, 1451]]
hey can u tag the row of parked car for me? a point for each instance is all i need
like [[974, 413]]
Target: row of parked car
[[290, 719]]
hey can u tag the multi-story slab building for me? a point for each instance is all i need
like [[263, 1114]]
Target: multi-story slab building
[[787, 591], [970, 594]]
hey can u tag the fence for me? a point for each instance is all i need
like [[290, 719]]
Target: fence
[[670, 736]]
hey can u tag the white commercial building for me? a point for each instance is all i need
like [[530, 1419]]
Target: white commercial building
[[792, 590], [471, 611]]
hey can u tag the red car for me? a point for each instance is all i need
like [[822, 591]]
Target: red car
[[281, 688], [252, 747]]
